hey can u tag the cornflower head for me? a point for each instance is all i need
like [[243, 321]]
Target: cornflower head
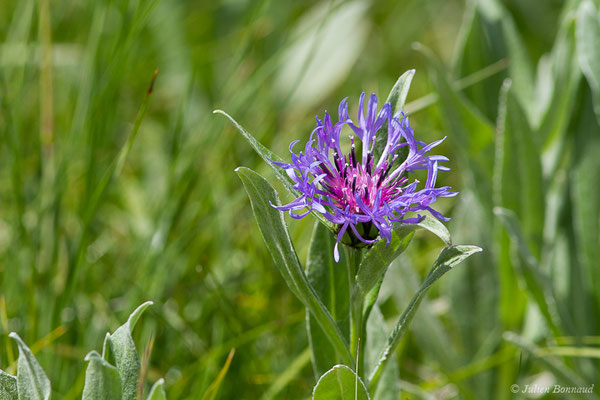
[[363, 193]]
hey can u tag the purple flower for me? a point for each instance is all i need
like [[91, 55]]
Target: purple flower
[[364, 193]]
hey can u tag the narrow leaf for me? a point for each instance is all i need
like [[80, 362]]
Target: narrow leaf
[[522, 183], [102, 380], [397, 99], [275, 233], [268, 156], [507, 193], [520, 66], [436, 227], [120, 348], [474, 49], [397, 96], [158, 391], [565, 76], [585, 195], [340, 383], [32, 382], [537, 283], [8, 386], [449, 257]]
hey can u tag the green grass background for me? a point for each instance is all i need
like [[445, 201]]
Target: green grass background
[[82, 244]]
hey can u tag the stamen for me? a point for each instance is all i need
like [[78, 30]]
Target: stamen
[[387, 170], [368, 166], [325, 170], [336, 159]]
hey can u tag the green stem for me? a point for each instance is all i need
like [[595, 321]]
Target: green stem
[[357, 333], [366, 306]]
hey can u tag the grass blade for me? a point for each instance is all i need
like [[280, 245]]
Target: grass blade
[[213, 389]]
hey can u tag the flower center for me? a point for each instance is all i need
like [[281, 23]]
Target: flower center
[[351, 180]]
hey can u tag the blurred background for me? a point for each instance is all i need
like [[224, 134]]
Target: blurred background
[[82, 243]]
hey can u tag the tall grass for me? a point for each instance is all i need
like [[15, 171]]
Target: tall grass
[[89, 229]]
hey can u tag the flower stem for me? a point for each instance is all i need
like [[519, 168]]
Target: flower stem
[[357, 333]]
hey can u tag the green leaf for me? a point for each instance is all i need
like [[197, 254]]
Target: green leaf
[[506, 193], [397, 96], [102, 380], [538, 284], [449, 257], [32, 382], [340, 383], [565, 76], [376, 261], [397, 99], [120, 349], [490, 34], [267, 155], [585, 195], [436, 227], [8, 386], [275, 233], [330, 281], [480, 42], [588, 53], [520, 66], [158, 391], [519, 183]]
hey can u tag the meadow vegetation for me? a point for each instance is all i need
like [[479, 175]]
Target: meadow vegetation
[[118, 186]]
